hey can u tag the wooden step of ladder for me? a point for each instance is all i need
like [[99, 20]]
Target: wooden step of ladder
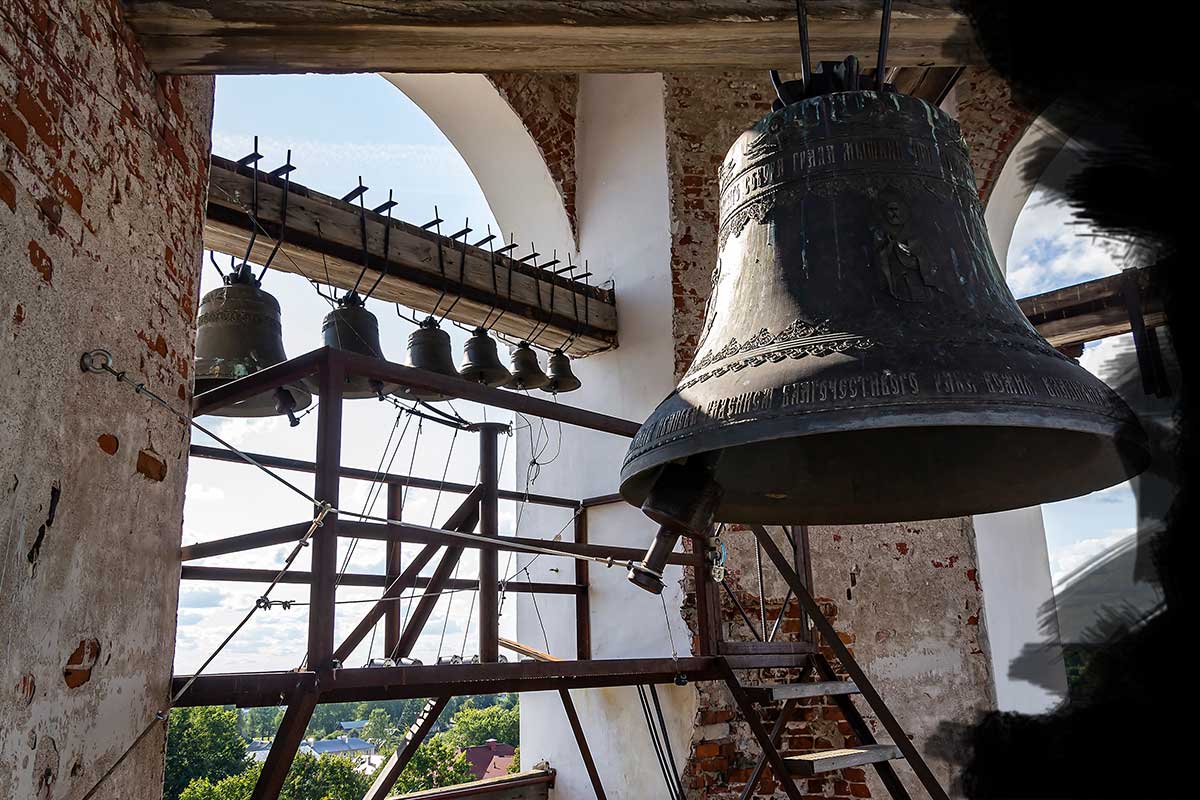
[[790, 691], [868, 751], [811, 764]]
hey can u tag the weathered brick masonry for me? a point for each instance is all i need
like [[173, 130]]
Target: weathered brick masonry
[[546, 103], [905, 596], [103, 176]]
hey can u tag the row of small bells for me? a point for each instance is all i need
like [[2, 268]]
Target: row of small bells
[[239, 332]]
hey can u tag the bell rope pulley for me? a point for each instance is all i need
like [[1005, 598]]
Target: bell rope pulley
[[861, 358]]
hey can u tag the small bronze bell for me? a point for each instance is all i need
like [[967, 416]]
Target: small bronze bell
[[526, 372], [481, 363], [561, 378], [352, 327], [238, 333], [429, 349]]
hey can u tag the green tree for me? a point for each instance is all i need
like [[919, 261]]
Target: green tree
[[515, 766], [436, 763], [378, 727], [310, 778], [202, 742], [472, 726]]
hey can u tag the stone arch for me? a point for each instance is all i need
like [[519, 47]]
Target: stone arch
[[525, 195]]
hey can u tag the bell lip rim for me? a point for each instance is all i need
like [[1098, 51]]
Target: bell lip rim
[[834, 421], [301, 394]]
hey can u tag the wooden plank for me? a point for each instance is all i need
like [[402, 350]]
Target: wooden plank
[[526, 650], [532, 784], [811, 764], [332, 254], [749, 713], [278, 36]]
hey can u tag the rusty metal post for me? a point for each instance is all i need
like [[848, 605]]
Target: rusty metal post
[[393, 566], [324, 549], [583, 603], [489, 525]]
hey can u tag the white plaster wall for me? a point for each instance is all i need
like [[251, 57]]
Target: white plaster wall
[[1014, 566], [1015, 575], [501, 153], [624, 230]]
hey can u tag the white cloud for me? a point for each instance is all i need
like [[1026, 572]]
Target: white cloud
[[1065, 560], [1051, 249], [203, 597]]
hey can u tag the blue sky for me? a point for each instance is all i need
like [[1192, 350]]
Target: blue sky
[[340, 127]]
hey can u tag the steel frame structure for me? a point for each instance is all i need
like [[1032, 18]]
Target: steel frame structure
[[325, 678]]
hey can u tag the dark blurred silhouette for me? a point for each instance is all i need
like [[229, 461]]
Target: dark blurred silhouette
[[1127, 73]]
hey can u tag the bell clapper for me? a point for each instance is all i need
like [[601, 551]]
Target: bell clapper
[[285, 403]]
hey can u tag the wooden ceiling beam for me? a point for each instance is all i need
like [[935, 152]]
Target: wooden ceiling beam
[[1085, 312], [323, 243], [284, 36]]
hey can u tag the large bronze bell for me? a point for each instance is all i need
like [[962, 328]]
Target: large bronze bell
[[352, 327], [481, 362], [238, 333], [526, 371], [561, 379], [862, 359], [429, 349]]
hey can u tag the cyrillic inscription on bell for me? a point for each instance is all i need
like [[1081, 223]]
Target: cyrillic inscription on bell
[[862, 359]]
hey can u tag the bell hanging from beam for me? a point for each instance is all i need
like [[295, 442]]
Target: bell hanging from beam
[[526, 371], [481, 363], [238, 333], [429, 349], [861, 358], [352, 327], [561, 379]]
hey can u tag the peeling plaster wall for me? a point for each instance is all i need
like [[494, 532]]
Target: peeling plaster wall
[[103, 175]]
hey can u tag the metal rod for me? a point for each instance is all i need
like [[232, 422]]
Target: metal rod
[[802, 30], [741, 610], [885, 25]]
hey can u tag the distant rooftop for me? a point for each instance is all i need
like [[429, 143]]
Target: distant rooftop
[[353, 725]]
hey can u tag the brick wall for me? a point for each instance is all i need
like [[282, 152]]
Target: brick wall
[[992, 122], [905, 596], [546, 103], [103, 175]]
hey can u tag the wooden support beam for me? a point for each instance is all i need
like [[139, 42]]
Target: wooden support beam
[[465, 517], [1085, 312], [293, 577], [246, 689], [391, 479], [425, 606], [526, 650], [400, 758], [324, 232], [583, 602], [581, 739], [393, 622], [302, 701], [422, 535], [276, 36]]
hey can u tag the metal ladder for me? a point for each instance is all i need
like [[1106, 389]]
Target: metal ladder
[[869, 751], [412, 740]]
